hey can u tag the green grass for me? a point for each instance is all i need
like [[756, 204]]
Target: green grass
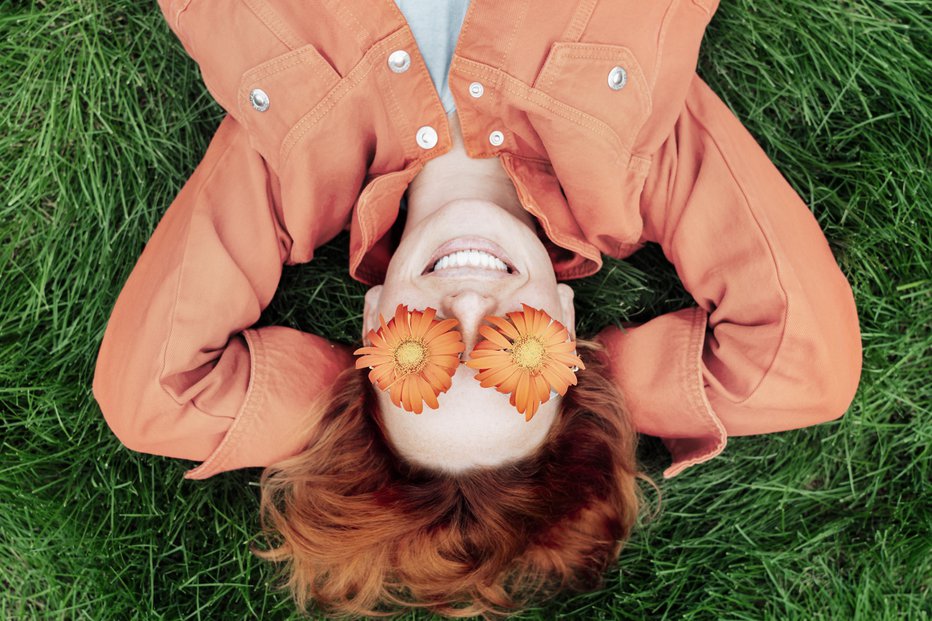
[[104, 117]]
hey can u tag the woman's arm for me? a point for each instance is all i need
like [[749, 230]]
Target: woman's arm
[[782, 349], [179, 372]]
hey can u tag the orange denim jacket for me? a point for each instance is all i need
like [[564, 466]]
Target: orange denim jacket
[[321, 135]]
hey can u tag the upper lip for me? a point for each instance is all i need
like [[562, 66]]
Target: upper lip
[[470, 243]]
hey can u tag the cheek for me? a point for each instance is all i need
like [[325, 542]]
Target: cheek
[[543, 296], [400, 292]]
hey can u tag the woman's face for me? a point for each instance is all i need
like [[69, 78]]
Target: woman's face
[[459, 203]]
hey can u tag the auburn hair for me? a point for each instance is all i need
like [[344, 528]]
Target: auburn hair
[[363, 531]]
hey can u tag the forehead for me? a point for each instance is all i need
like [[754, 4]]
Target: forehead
[[474, 426]]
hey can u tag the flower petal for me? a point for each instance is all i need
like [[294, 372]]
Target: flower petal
[[566, 376], [395, 393], [555, 333], [517, 318], [543, 389], [504, 326], [439, 328], [406, 395], [387, 331], [494, 336], [531, 410], [447, 345], [485, 345], [567, 360], [521, 394], [423, 321], [556, 381], [495, 376], [511, 383], [537, 320], [563, 348], [444, 361], [372, 360], [414, 391], [490, 360], [382, 374], [439, 379], [427, 392]]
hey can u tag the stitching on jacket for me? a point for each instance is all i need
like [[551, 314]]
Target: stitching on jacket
[[697, 326], [582, 271], [571, 114], [398, 112], [561, 240], [543, 100], [467, 22], [274, 22], [241, 422], [351, 22], [354, 77], [319, 111], [306, 55], [181, 264], [747, 205], [520, 17], [694, 355], [365, 222], [579, 21], [661, 42], [544, 79], [423, 79], [637, 73]]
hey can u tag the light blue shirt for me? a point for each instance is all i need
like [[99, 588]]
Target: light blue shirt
[[436, 26]]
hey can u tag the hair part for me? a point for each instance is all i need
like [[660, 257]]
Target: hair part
[[364, 531]]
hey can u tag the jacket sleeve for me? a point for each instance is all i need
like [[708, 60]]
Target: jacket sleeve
[[180, 372], [774, 343]]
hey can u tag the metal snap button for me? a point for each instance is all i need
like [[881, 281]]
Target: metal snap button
[[476, 89], [399, 61], [496, 138], [426, 137], [617, 78], [259, 99]]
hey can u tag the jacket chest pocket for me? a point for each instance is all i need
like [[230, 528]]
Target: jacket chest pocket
[[604, 81], [273, 96]]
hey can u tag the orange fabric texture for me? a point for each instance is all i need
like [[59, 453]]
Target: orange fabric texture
[[773, 343]]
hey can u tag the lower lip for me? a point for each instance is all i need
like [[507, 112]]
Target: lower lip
[[471, 243]]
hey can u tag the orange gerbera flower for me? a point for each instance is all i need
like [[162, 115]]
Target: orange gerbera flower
[[527, 357], [414, 356]]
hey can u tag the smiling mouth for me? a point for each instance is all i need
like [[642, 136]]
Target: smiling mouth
[[470, 256]]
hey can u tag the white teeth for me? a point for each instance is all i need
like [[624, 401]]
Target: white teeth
[[470, 258]]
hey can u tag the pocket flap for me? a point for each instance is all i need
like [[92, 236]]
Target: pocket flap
[[273, 96], [582, 75]]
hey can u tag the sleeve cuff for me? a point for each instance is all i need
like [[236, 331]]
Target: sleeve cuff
[[244, 418], [658, 367], [290, 371]]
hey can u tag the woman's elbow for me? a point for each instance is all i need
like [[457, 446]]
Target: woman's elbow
[[842, 373], [122, 414]]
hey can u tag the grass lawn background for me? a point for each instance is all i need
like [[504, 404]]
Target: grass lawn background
[[104, 117]]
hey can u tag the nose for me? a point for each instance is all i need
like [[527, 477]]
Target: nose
[[469, 307]]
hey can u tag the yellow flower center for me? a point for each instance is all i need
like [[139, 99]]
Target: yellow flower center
[[528, 353], [410, 356]]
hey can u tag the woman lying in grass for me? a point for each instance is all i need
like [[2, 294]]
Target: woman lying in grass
[[473, 451]]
